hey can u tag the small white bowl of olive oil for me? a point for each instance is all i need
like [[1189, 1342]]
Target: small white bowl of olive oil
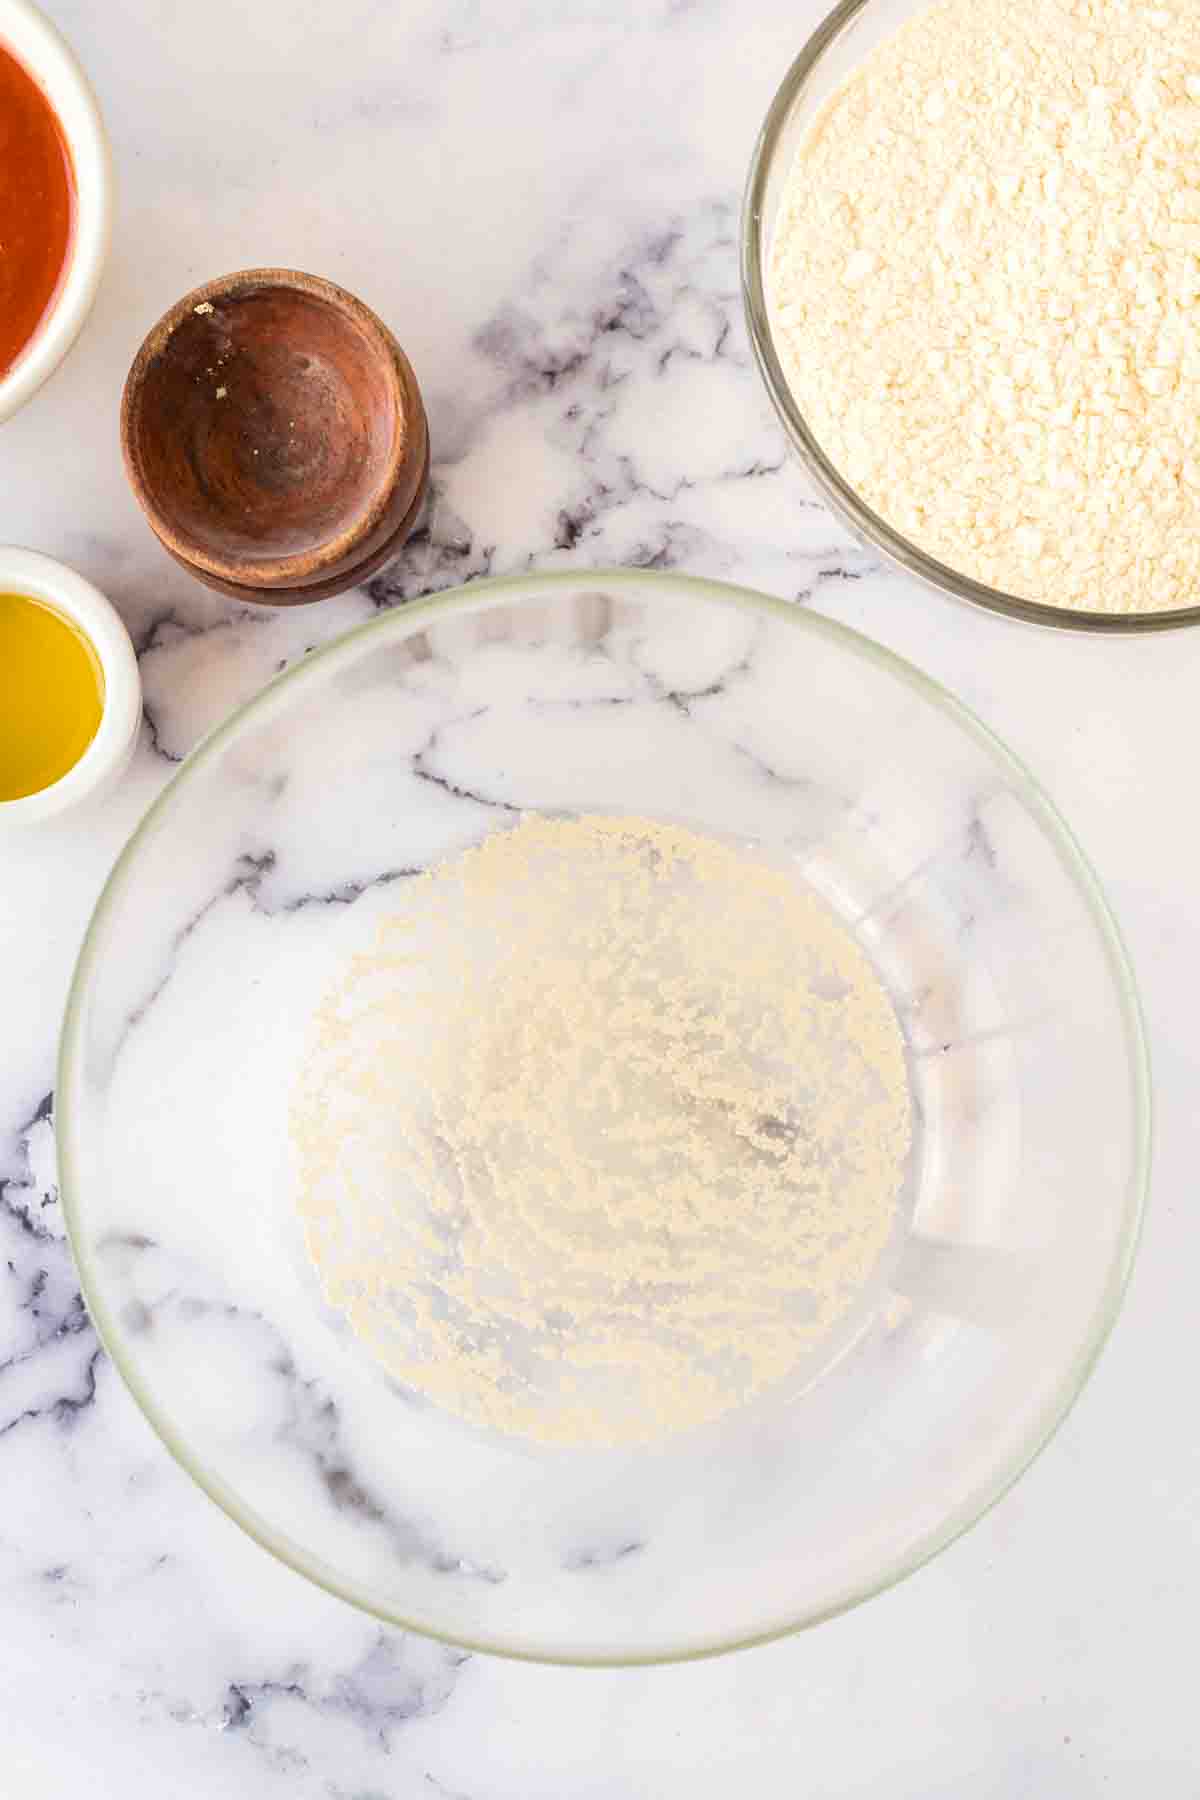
[[70, 694]]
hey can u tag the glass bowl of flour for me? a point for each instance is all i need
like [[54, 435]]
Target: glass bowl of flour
[[603, 1117], [970, 271]]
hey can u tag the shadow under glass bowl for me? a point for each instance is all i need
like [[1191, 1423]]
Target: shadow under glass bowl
[[281, 841], [848, 35]]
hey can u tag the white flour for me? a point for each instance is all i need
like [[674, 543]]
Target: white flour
[[985, 275], [603, 1134]]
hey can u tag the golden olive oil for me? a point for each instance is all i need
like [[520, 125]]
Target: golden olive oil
[[51, 695]]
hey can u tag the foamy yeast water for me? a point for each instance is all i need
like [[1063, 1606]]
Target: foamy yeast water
[[605, 1133]]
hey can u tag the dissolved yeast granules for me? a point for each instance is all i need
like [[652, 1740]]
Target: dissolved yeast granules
[[603, 1133], [984, 276]]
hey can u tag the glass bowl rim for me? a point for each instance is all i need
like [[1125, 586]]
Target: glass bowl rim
[[844, 499], [479, 595]]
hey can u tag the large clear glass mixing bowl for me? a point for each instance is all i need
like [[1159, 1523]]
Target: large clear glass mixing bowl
[[283, 839]]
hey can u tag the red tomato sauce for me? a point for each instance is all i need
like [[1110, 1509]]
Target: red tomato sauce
[[37, 206]]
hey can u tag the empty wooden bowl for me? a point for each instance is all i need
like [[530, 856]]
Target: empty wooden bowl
[[274, 435]]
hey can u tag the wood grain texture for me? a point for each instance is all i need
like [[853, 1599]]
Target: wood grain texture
[[275, 437]]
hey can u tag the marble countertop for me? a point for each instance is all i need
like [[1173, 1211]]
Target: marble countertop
[[543, 202]]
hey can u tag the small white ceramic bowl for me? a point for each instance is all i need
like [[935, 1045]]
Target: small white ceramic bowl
[[106, 757], [43, 51]]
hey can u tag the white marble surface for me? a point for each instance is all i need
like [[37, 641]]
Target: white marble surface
[[542, 201]]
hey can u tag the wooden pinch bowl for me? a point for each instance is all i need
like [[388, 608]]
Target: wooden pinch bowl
[[275, 437]]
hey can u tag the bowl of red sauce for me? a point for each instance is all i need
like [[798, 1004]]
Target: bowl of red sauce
[[55, 200]]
